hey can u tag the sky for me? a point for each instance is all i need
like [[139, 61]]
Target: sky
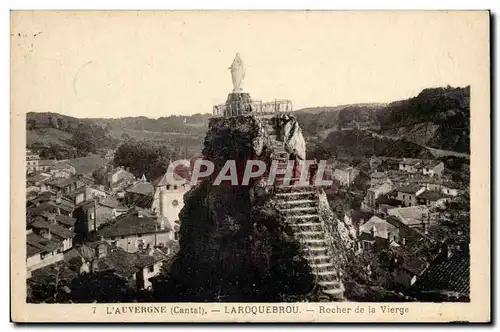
[[118, 64]]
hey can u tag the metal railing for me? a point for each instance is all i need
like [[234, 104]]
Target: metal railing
[[255, 106]]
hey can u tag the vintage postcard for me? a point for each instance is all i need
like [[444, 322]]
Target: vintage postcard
[[260, 166]]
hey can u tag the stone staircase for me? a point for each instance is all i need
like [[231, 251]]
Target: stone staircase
[[299, 206]]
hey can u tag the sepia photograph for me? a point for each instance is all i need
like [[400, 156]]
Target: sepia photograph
[[202, 165]]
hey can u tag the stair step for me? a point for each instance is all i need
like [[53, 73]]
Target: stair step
[[304, 216], [313, 240], [315, 249], [296, 193], [335, 291], [327, 273], [297, 201], [298, 209], [330, 283], [309, 233], [322, 265], [318, 257]]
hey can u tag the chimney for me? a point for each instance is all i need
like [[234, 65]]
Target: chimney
[[84, 268], [46, 234], [58, 197], [52, 218]]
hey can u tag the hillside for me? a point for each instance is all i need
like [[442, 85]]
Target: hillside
[[359, 143], [438, 118], [314, 121], [59, 136]]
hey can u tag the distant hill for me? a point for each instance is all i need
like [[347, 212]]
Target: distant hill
[[315, 120], [360, 143], [438, 118], [57, 136]]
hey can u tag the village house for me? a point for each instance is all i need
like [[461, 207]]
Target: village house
[[92, 214], [408, 267], [377, 233], [32, 160], [413, 216], [41, 251], [86, 192], [432, 198], [118, 175], [408, 194], [409, 165], [62, 169], [345, 175], [373, 193], [51, 229], [137, 229], [140, 194], [136, 268], [375, 163], [450, 189], [432, 168], [378, 178], [51, 203], [65, 185], [46, 165]]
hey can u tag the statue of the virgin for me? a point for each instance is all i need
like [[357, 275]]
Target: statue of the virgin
[[237, 73]]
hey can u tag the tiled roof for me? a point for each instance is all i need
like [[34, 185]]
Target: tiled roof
[[163, 181], [409, 262], [430, 163], [125, 264], [381, 227], [36, 244], [38, 178], [378, 175], [55, 229], [131, 223], [67, 221], [110, 201], [62, 182], [142, 188], [410, 162], [451, 274], [410, 215], [431, 195], [410, 189]]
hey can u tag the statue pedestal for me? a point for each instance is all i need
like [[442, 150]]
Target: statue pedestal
[[238, 103]]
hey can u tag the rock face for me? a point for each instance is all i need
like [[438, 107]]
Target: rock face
[[255, 242]]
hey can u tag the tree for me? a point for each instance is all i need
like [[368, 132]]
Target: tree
[[150, 159], [101, 287]]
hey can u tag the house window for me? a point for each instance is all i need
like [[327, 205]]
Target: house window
[[151, 268], [176, 236], [122, 237], [175, 203], [139, 235], [403, 196]]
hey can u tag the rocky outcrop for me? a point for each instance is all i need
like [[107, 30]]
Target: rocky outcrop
[[255, 242]]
